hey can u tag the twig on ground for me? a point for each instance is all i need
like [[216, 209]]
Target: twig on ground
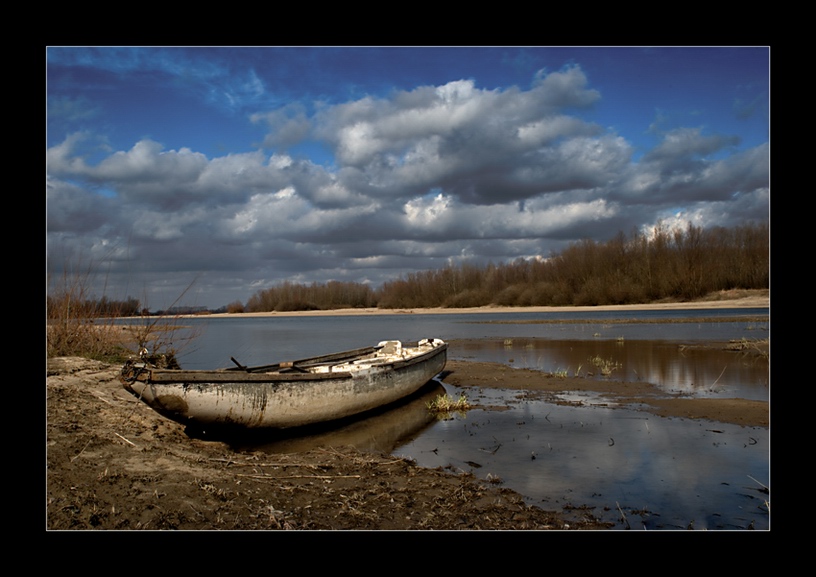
[[721, 374], [270, 478], [623, 517], [125, 440], [237, 464], [102, 399], [75, 457]]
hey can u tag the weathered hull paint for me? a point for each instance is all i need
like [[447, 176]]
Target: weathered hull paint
[[280, 399]]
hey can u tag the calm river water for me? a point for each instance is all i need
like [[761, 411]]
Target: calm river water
[[631, 468]]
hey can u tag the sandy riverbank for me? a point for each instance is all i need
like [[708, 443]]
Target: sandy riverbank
[[755, 299]]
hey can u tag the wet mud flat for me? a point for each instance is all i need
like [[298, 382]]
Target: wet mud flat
[[647, 396]]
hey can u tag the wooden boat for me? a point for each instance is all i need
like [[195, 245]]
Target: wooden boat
[[289, 394]]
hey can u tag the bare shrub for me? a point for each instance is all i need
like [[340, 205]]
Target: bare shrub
[[79, 324], [75, 327], [592, 293], [509, 297], [467, 299], [296, 305]]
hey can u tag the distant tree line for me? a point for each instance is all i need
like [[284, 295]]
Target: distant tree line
[[673, 264], [290, 296]]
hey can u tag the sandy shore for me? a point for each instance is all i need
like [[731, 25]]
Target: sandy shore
[[753, 301]]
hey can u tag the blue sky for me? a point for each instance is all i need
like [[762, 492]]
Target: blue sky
[[215, 172]]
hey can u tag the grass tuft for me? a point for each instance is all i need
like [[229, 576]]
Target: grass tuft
[[606, 366], [445, 404]]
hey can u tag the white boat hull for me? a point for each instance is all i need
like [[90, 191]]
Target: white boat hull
[[279, 398]]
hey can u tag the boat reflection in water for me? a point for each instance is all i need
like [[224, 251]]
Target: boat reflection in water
[[379, 430]]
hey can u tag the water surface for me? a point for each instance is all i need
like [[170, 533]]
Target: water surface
[[262, 340], [631, 468]]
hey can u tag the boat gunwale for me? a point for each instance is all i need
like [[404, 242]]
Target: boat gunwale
[[336, 358], [253, 375]]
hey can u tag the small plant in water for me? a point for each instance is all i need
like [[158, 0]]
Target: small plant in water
[[445, 404], [606, 366], [561, 373], [493, 479], [757, 347]]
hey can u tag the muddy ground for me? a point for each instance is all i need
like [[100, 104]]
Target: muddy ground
[[114, 463]]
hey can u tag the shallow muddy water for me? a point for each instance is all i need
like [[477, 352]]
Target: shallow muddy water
[[676, 368], [630, 468]]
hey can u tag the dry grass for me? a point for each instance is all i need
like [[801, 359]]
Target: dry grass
[[751, 347], [79, 324], [92, 338], [75, 327], [605, 366]]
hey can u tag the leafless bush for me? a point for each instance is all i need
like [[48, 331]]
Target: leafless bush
[[75, 323], [80, 324]]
